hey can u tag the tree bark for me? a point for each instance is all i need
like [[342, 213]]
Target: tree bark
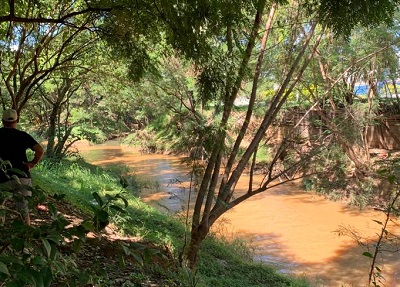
[[200, 228], [201, 224]]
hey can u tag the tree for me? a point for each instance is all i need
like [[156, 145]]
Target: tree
[[224, 69], [222, 40], [38, 54], [18, 11], [367, 57], [212, 201], [34, 51], [60, 126]]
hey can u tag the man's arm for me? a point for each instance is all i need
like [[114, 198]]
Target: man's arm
[[39, 151]]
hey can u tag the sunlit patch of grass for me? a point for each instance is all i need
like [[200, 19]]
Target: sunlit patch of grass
[[74, 180], [221, 263], [79, 180]]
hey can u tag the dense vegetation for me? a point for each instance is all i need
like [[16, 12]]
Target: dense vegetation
[[170, 77], [139, 248]]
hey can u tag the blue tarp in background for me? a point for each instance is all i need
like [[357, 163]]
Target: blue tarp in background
[[362, 89]]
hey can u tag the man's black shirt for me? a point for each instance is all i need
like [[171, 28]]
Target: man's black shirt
[[13, 146]]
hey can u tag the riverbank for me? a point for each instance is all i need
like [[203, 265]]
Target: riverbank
[[220, 264], [297, 232]]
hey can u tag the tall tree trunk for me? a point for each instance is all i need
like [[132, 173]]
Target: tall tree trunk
[[51, 132], [197, 236], [56, 101], [202, 224]]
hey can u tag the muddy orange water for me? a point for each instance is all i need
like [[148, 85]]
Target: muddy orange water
[[297, 232]]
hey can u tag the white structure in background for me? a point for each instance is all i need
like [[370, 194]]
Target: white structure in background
[[241, 102]]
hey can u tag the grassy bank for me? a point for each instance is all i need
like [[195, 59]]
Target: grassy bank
[[220, 263]]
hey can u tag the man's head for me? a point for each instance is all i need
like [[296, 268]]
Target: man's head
[[10, 117]]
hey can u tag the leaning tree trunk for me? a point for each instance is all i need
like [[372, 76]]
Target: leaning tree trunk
[[56, 102], [201, 224], [198, 234], [207, 210]]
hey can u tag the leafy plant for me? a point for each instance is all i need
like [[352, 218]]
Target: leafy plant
[[102, 210], [33, 254], [375, 276]]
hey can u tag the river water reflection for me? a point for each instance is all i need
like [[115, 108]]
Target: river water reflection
[[292, 230]]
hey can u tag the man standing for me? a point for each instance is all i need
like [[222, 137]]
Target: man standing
[[13, 146]]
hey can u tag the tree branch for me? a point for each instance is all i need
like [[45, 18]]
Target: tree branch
[[11, 17]]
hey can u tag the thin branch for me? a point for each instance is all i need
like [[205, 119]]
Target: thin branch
[[11, 17]]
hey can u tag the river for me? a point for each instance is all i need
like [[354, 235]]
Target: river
[[297, 232]]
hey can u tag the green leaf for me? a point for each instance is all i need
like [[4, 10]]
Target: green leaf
[[83, 277], [123, 199], [391, 178], [18, 244], [39, 261], [100, 220], [27, 277], [377, 221], [60, 267], [17, 171], [367, 254], [138, 257], [45, 276], [121, 261], [98, 198], [138, 246], [102, 215], [52, 211], [88, 225], [126, 249], [47, 247], [18, 224], [77, 245], [4, 269], [11, 259], [153, 251], [117, 208], [147, 255], [55, 238], [60, 223]]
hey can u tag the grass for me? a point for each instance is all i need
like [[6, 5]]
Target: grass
[[78, 180], [220, 263]]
